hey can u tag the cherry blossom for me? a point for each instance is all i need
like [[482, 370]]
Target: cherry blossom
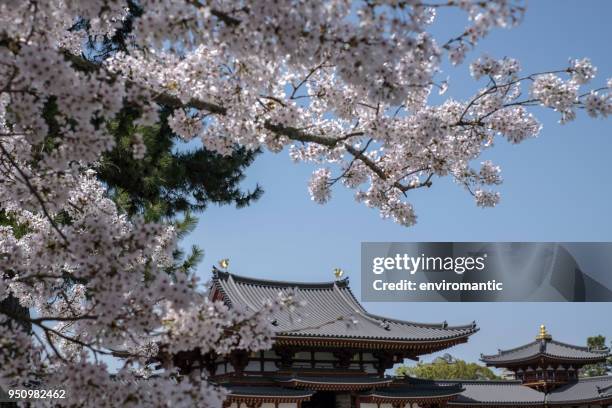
[[320, 186]]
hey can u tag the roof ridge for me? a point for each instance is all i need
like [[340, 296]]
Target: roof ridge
[[501, 352], [443, 325], [583, 348], [278, 283], [484, 382], [595, 378], [219, 287]]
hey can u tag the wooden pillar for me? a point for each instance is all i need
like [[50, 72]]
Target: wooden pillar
[[286, 356], [209, 362], [385, 361], [344, 358], [239, 360]]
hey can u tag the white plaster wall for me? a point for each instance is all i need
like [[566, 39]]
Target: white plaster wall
[[253, 366], [270, 366], [302, 355], [343, 401]]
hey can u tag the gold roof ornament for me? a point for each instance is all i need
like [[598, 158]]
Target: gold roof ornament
[[544, 335], [338, 273], [224, 263]]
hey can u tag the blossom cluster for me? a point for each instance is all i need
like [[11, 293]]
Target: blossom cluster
[[353, 86]]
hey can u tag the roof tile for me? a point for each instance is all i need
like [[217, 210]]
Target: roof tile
[[331, 310]]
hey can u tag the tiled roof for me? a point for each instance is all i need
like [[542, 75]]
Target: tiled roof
[[514, 394], [584, 390], [547, 348], [510, 393], [415, 392], [266, 391], [336, 379], [331, 310], [464, 393], [334, 383]]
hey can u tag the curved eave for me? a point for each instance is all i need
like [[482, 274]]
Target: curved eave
[[271, 396], [422, 345], [495, 404], [221, 275], [604, 399], [267, 395], [595, 355], [590, 390], [261, 399], [550, 357], [333, 386], [381, 398], [449, 337]]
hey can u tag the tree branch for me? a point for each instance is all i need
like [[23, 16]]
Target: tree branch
[[290, 132], [41, 201]]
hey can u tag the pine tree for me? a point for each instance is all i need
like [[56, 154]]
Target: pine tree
[[593, 370]]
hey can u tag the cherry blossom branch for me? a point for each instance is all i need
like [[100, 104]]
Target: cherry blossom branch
[[38, 322], [26, 180], [299, 135], [506, 85], [305, 79]]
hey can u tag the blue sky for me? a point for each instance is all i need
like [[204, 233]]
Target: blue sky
[[557, 188]]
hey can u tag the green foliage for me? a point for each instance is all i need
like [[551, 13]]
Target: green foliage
[[182, 261], [170, 180], [19, 229], [593, 370], [447, 368]]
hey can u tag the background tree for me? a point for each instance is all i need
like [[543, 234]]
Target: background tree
[[593, 370], [448, 368], [169, 181]]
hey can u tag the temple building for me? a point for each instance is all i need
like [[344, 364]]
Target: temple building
[[545, 364], [332, 353]]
